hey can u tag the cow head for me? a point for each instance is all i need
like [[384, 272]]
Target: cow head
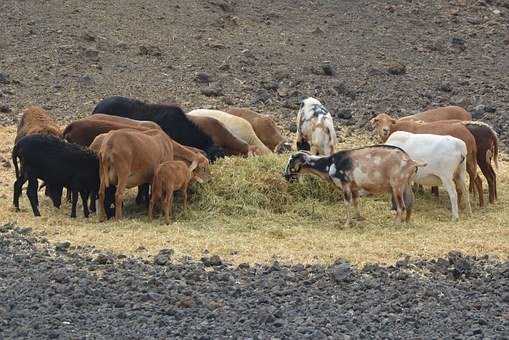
[[382, 124], [55, 194], [283, 147], [199, 169]]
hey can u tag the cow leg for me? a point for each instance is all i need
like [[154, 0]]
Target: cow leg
[[184, 195], [154, 197], [33, 185], [355, 201], [119, 195], [472, 173], [434, 191], [84, 199], [93, 197], [168, 203], [18, 185], [463, 192], [74, 202], [143, 194], [451, 190], [102, 203], [491, 178]]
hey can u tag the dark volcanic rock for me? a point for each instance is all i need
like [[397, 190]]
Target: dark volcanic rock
[[63, 294], [213, 90]]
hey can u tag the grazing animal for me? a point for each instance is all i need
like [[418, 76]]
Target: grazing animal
[[35, 119], [169, 177], [365, 171], [440, 113], [224, 138], [129, 158], [445, 163], [239, 127], [384, 126], [84, 131], [264, 127], [59, 164], [170, 118], [315, 128]]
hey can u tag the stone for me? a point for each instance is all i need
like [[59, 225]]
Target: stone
[[342, 272], [202, 77], [261, 96], [328, 69], [163, 257], [396, 68], [4, 78], [103, 259], [62, 246], [4, 108], [92, 54], [150, 50], [213, 90]]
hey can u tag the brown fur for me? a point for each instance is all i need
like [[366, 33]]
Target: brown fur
[[129, 158], [223, 137], [263, 125], [35, 119], [84, 131], [441, 113], [169, 177], [386, 125], [192, 155]]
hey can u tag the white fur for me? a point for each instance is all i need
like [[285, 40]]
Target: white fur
[[238, 126], [321, 140], [445, 159]]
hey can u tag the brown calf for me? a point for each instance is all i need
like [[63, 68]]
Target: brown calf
[[264, 127], [35, 119], [440, 113], [84, 131], [169, 177], [386, 125], [364, 171], [129, 158], [223, 137]]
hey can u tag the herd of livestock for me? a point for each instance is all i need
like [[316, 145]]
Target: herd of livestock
[[160, 149]]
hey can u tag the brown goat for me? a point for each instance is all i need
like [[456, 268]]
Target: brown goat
[[169, 177], [441, 113], [264, 127], [84, 131], [35, 119], [129, 158], [223, 137], [386, 125]]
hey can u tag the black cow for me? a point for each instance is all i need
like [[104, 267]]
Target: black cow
[[171, 118], [59, 164]]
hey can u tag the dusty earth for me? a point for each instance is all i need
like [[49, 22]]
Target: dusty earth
[[359, 57], [65, 292]]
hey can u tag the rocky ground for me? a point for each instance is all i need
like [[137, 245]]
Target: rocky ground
[[65, 291], [359, 57]]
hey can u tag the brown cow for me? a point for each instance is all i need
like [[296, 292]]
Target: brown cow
[[486, 140], [35, 119], [84, 131], [129, 158], [169, 177], [264, 127], [224, 138], [386, 125], [440, 113]]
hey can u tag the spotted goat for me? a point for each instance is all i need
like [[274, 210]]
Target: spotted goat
[[360, 172], [315, 128]]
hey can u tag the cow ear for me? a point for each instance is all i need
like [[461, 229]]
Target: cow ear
[[393, 121]]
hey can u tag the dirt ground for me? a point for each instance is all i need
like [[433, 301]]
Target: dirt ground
[[358, 57]]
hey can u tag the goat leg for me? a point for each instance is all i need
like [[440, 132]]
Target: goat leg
[[33, 185], [74, 202]]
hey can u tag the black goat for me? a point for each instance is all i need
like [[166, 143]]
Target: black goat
[[171, 119], [59, 164]]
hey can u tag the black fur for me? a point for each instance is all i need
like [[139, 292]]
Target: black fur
[[171, 118], [59, 164], [303, 145]]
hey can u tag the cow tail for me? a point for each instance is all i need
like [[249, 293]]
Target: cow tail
[[104, 165], [15, 157], [495, 153]]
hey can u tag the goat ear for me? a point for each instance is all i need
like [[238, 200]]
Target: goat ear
[[193, 165]]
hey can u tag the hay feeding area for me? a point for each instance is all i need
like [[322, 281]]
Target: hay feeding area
[[249, 213]]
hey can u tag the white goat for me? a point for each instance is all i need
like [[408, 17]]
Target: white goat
[[445, 163], [315, 128]]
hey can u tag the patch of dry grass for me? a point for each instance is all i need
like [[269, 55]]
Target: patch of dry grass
[[248, 213]]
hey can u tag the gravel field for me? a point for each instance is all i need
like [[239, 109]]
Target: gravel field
[[66, 292]]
